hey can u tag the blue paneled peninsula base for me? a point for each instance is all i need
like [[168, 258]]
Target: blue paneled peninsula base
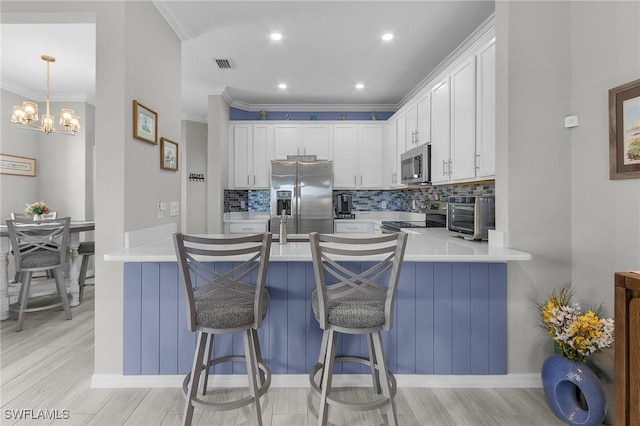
[[450, 319]]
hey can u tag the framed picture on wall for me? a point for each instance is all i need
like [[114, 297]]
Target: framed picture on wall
[[145, 123], [624, 131], [18, 166], [168, 154]]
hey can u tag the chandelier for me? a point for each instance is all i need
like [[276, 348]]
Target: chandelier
[[26, 116]]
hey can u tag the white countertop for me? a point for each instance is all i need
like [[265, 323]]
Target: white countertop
[[430, 245]]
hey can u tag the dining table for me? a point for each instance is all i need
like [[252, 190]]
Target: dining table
[[9, 290]]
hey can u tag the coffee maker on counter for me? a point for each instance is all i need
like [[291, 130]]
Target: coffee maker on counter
[[344, 206]]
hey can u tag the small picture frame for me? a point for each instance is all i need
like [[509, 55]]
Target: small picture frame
[[145, 123], [624, 131], [17, 165], [168, 154]]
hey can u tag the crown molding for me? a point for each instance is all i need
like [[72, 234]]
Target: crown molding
[[183, 32], [314, 107], [219, 91], [485, 31], [187, 117], [41, 96]]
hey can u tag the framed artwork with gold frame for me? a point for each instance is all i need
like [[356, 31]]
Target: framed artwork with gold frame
[[145, 123], [168, 154]]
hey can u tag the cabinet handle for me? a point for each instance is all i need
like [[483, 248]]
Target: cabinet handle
[[254, 180], [355, 182], [360, 180], [444, 167], [476, 159], [247, 180], [450, 166], [417, 137]]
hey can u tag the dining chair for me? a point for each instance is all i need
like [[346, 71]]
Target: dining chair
[[86, 249], [356, 303], [40, 246], [21, 216], [223, 302]]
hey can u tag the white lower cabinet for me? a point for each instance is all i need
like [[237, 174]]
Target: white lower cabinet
[[245, 227], [349, 226], [357, 156]]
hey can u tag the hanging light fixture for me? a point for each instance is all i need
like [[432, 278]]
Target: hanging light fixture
[[26, 116]]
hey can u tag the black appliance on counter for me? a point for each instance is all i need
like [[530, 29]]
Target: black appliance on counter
[[344, 204], [436, 217]]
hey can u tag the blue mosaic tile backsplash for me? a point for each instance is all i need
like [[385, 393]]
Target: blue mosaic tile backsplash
[[398, 200]]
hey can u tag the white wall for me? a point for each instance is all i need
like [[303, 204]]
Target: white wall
[[555, 199], [137, 57], [217, 161], [16, 191], [195, 138], [605, 213], [61, 180]]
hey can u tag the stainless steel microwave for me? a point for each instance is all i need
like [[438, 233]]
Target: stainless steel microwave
[[415, 165]]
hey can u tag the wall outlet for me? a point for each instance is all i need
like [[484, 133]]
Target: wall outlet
[[162, 206], [174, 209], [383, 205], [414, 204], [242, 204]]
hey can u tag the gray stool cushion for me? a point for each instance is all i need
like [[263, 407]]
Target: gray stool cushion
[[224, 308], [40, 259], [87, 247], [357, 310]]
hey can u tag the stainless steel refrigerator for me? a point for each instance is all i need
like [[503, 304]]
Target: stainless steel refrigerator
[[303, 188]]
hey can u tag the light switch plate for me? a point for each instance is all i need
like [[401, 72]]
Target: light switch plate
[[174, 208], [161, 208]]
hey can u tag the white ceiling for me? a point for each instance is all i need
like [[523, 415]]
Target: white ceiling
[[327, 47]]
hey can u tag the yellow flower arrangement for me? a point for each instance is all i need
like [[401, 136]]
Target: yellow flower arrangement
[[576, 334]]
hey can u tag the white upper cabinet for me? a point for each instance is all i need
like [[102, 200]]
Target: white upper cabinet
[[370, 155], [463, 121], [391, 165], [286, 140], [423, 134], [305, 139], [486, 111], [440, 131], [411, 129], [316, 140], [251, 152], [357, 156]]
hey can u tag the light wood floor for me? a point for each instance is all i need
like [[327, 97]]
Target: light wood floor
[[49, 365]]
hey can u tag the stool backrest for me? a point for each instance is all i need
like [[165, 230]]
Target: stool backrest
[[250, 257], [381, 270], [29, 237]]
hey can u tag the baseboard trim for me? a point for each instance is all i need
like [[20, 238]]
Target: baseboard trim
[[339, 380]]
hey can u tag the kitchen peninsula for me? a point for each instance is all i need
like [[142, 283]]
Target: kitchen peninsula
[[450, 317]]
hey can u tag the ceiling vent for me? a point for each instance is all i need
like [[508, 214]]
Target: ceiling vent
[[223, 63]]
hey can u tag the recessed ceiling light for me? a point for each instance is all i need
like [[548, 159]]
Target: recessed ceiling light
[[359, 86], [282, 86], [387, 36], [276, 36]]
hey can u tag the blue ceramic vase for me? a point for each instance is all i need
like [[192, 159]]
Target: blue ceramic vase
[[574, 393]]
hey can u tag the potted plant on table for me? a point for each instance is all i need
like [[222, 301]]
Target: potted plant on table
[[565, 376], [37, 210]]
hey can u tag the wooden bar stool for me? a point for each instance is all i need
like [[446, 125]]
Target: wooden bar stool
[[358, 303], [221, 303]]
